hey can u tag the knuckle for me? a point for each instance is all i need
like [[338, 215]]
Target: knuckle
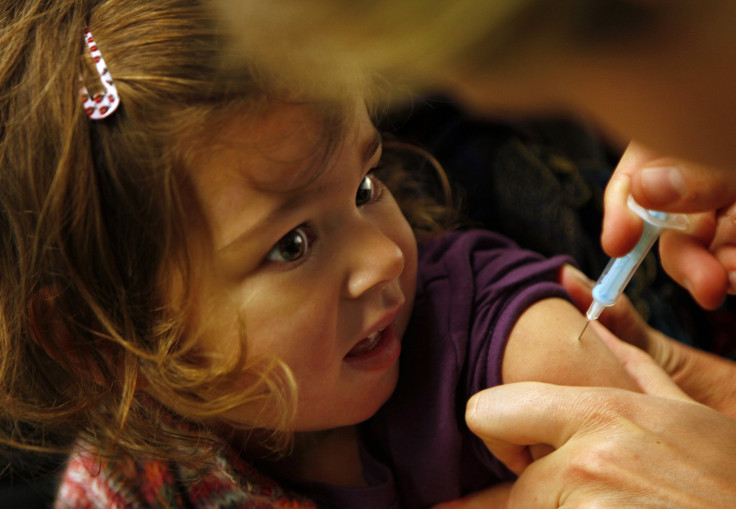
[[591, 464], [607, 407]]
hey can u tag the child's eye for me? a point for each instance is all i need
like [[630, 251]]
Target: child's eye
[[368, 190], [291, 247]]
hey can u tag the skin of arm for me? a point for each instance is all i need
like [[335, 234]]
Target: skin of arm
[[707, 378], [544, 347]]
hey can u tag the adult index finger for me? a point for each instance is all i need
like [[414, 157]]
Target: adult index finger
[[649, 375]]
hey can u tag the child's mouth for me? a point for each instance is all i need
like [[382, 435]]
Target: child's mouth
[[366, 345], [378, 351]]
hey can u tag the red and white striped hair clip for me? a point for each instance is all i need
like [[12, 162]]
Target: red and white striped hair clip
[[103, 104]]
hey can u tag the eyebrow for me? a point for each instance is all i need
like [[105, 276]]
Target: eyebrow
[[369, 152], [372, 147]]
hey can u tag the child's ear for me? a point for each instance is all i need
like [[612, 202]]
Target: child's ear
[[51, 333]]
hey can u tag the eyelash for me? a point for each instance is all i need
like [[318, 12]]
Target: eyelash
[[305, 235]]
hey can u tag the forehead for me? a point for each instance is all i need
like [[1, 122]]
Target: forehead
[[280, 148], [259, 164]]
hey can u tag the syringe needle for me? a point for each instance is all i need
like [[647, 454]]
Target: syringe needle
[[584, 329]]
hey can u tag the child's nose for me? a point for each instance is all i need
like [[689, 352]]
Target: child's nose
[[374, 260]]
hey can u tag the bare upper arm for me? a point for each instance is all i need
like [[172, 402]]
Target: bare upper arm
[[543, 346]]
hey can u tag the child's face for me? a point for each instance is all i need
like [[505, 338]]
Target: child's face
[[315, 264]]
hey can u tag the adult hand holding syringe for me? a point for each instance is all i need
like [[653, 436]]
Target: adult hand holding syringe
[[619, 271]]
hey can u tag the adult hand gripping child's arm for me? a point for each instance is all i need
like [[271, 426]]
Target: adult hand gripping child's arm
[[613, 447], [544, 346]]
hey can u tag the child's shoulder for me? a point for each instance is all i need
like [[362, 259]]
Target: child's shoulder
[[479, 250]]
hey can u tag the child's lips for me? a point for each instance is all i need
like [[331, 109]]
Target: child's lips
[[366, 345], [377, 352], [380, 349]]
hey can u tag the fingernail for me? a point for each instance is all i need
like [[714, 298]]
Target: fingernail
[[662, 185]]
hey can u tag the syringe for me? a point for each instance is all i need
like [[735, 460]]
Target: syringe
[[619, 271]]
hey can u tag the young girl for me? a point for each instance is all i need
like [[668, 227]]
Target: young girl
[[207, 285]]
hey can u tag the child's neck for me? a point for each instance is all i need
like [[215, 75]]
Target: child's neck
[[330, 456]]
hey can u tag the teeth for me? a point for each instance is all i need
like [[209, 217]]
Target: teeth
[[366, 345], [371, 341]]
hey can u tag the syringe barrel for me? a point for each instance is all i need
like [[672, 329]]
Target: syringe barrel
[[619, 271]]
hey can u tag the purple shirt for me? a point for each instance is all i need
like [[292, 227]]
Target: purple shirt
[[417, 451]]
